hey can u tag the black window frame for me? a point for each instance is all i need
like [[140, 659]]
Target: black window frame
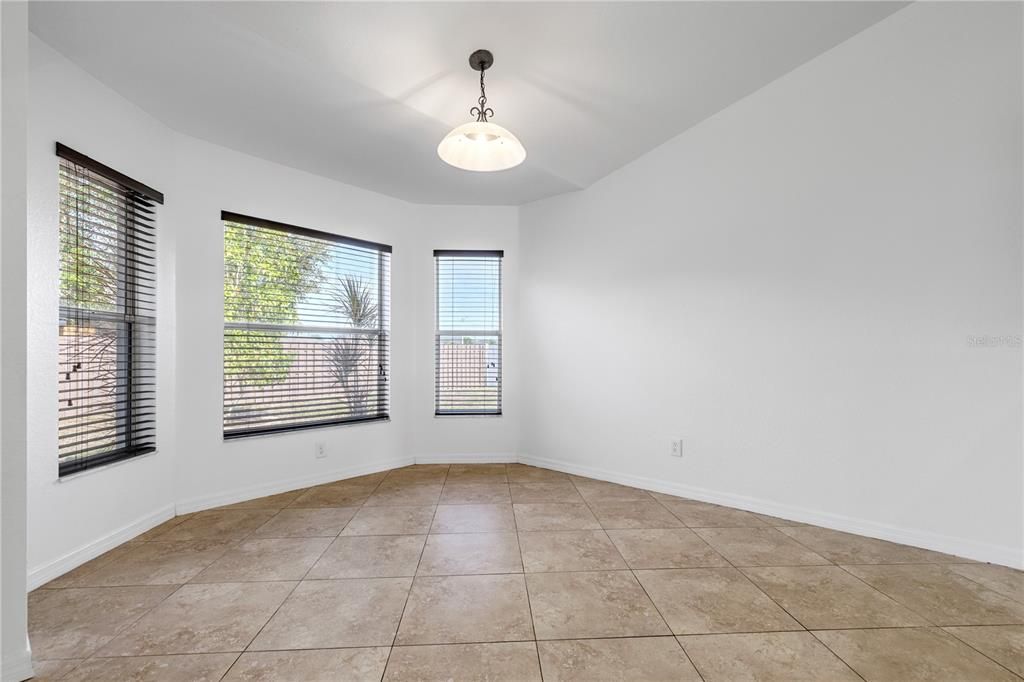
[[383, 330], [111, 199], [497, 333]]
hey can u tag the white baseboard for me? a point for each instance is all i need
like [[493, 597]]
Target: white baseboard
[[203, 502], [18, 669], [482, 458], [40, 575], [1007, 556], [963, 547]]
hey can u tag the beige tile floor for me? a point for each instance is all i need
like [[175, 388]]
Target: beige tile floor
[[509, 572]]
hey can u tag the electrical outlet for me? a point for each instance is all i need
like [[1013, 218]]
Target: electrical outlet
[[677, 448], [320, 449]]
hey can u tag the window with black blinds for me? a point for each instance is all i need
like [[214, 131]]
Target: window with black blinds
[[107, 320], [306, 328], [467, 341]]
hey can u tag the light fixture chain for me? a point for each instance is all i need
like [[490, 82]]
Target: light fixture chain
[[482, 111]]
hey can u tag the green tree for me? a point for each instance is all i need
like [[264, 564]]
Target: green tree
[[266, 274], [89, 247], [350, 354], [91, 250]]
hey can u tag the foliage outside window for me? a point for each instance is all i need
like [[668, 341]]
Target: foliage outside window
[[106, 389], [306, 328]]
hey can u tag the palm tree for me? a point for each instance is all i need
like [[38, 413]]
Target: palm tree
[[349, 354]]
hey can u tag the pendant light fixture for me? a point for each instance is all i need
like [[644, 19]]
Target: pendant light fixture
[[481, 145]]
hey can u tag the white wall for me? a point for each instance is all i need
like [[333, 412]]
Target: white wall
[[451, 439], [211, 179], [67, 515], [791, 286], [194, 468]]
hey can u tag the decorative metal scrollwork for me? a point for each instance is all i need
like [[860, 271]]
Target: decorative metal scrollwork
[[481, 111]]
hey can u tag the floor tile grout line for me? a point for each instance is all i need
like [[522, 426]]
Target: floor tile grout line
[[870, 586], [866, 584], [589, 504], [636, 579], [546, 639], [129, 549], [536, 643], [82, 662], [971, 646], [862, 627], [463, 504], [689, 658], [661, 615], [640, 583], [747, 577], [762, 523], [916, 627], [758, 588], [827, 561], [960, 561], [754, 585], [888, 596], [233, 663], [428, 644], [252, 639], [926, 624], [122, 630], [505, 572], [976, 582], [234, 542], [675, 638], [525, 585], [786, 611], [412, 581], [836, 654], [87, 573], [292, 591], [171, 655], [1009, 624], [930, 622], [362, 506]]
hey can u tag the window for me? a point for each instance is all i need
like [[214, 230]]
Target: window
[[467, 341], [107, 322], [306, 328]]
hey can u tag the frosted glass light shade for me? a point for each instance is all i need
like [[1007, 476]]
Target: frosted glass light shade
[[481, 146]]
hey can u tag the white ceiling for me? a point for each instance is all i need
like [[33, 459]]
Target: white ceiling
[[363, 92]]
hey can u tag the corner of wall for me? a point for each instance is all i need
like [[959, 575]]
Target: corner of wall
[[15, 655]]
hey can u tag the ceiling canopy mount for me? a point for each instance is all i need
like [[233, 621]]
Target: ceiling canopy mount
[[481, 60]]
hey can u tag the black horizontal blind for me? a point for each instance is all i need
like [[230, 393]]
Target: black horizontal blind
[[467, 342], [107, 332], [306, 328]]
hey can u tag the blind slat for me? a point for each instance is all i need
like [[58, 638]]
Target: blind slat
[[467, 348], [306, 328], [106, 359]]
